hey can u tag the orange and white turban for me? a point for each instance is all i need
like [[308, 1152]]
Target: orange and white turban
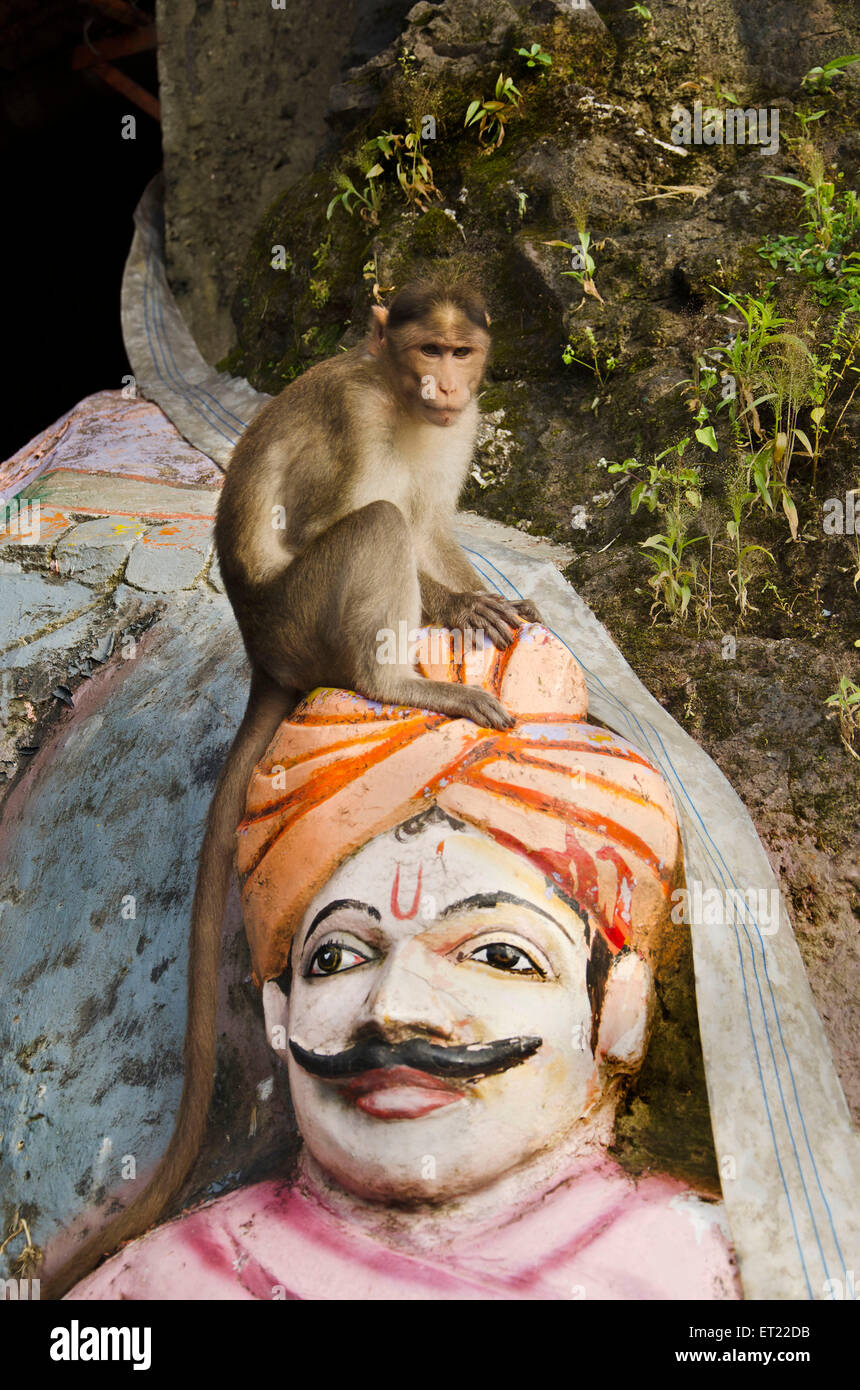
[[576, 800]]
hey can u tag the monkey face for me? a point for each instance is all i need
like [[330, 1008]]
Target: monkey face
[[440, 375], [435, 362]]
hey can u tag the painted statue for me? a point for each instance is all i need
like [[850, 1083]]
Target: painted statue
[[456, 933]]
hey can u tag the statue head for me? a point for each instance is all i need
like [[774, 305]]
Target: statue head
[[456, 930]]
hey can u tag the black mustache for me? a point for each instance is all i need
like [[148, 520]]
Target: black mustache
[[456, 1063]]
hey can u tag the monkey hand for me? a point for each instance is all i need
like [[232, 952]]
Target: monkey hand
[[488, 613], [527, 610], [470, 702]]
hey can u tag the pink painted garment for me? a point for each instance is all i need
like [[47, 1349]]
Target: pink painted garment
[[597, 1235]]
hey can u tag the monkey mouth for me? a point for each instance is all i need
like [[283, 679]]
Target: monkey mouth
[[443, 414]]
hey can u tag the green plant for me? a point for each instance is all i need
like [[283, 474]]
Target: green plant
[[535, 56], [845, 702], [818, 79], [320, 254], [492, 116], [402, 152], [741, 359], [413, 171], [771, 363], [828, 252], [674, 490], [662, 478], [369, 200], [788, 376], [601, 370], [739, 576], [806, 118], [675, 576], [833, 360], [726, 377], [722, 97], [582, 262], [641, 12]]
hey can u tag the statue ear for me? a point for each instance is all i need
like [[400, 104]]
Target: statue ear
[[625, 1019], [276, 1012], [378, 320]]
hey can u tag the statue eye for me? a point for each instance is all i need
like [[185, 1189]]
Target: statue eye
[[502, 956], [333, 958]]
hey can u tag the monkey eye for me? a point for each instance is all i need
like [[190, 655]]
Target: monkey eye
[[430, 349], [463, 352]]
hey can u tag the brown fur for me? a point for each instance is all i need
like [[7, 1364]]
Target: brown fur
[[368, 469]]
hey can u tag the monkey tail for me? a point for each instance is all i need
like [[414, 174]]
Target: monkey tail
[[267, 705]]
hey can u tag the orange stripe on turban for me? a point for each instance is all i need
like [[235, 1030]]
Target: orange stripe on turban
[[577, 801]]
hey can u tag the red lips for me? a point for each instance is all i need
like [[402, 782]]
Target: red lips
[[400, 1093]]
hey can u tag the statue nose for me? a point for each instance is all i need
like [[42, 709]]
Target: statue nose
[[404, 997]]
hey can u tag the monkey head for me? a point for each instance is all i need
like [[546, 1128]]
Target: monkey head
[[433, 344]]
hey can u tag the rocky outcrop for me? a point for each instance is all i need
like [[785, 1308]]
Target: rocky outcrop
[[243, 94]]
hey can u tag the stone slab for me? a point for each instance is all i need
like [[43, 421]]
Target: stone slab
[[98, 849], [170, 557], [31, 532], [96, 551], [33, 604]]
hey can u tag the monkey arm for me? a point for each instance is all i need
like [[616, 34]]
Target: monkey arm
[[445, 576], [446, 568]]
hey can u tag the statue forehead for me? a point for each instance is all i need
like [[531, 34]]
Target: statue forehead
[[411, 875], [445, 855]]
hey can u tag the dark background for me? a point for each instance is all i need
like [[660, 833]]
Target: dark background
[[71, 183]]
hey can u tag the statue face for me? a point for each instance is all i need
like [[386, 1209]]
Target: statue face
[[439, 937]]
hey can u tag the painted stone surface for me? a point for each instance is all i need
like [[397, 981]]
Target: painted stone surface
[[457, 933], [110, 492]]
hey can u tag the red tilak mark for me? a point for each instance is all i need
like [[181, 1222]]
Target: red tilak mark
[[395, 908]]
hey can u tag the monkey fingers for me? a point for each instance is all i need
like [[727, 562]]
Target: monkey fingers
[[486, 619], [526, 610], [484, 709], [514, 611], [497, 615]]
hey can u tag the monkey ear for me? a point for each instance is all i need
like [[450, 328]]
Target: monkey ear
[[378, 320]]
